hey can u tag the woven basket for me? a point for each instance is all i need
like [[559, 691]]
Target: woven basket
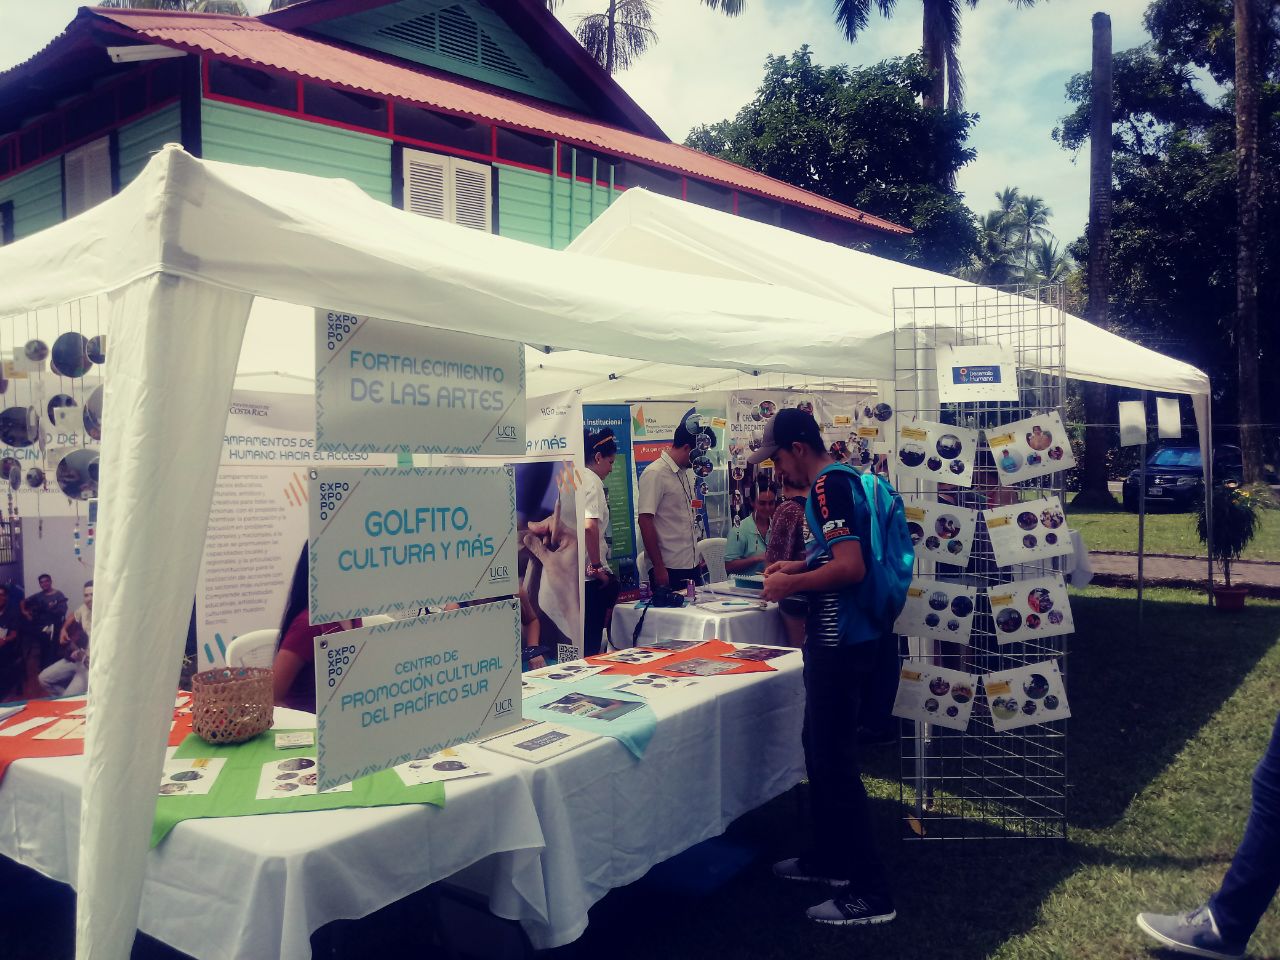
[[231, 704]]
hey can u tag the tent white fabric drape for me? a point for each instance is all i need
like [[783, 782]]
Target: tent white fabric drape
[[182, 251]]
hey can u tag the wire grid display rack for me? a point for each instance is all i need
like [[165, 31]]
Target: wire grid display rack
[[982, 784]]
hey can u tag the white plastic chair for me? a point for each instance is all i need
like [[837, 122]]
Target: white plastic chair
[[254, 649], [711, 552]]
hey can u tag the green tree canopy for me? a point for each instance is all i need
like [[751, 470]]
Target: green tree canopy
[[859, 136]]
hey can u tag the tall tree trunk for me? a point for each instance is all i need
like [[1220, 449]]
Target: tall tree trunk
[[935, 54], [1249, 406], [1093, 472], [611, 38]]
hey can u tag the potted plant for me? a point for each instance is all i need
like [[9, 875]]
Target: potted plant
[[1235, 521]]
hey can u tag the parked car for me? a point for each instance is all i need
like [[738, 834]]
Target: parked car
[[1175, 476]]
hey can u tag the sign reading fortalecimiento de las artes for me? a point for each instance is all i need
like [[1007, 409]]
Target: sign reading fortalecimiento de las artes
[[393, 541], [386, 386]]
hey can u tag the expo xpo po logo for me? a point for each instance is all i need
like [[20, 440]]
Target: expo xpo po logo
[[341, 326], [332, 493], [337, 659]]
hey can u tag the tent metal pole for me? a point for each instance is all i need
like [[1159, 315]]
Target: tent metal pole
[[1208, 492], [1142, 508]]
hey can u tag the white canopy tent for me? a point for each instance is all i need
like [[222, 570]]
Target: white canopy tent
[[182, 253]]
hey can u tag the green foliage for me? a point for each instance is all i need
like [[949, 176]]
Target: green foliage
[[1235, 523], [1015, 244], [859, 136]]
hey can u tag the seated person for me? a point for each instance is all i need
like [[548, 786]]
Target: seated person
[[69, 676], [294, 681], [747, 547]]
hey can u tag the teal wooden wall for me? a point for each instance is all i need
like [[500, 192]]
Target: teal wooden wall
[[526, 204], [137, 141], [36, 196], [257, 138]]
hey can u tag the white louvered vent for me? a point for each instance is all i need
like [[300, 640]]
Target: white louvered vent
[[453, 33], [448, 189], [426, 184], [471, 183], [87, 176]]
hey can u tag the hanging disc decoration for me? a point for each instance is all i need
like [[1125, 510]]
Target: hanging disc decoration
[[11, 471], [36, 351], [15, 429], [62, 402], [35, 477], [97, 349], [92, 415], [77, 474], [71, 355]]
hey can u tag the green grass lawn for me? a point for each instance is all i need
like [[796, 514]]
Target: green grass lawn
[[1173, 533]]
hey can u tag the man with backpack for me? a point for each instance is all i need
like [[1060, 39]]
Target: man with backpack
[[857, 568]]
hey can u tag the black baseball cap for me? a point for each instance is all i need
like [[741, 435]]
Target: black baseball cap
[[788, 426]]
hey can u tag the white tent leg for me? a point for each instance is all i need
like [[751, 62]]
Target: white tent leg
[[174, 344], [1202, 406]]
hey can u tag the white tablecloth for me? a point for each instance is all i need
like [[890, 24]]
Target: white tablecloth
[[699, 623], [543, 842]]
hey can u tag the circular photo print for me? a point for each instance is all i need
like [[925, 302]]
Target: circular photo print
[[1051, 538], [938, 600], [286, 776], [947, 526], [98, 348], [1052, 518], [738, 473], [187, 775], [169, 789], [882, 412], [693, 421], [755, 415], [953, 626], [931, 705], [913, 528], [1051, 702], [1055, 617], [1029, 708], [1039, 438], [939, 687], [768, 408], [1027, 520], [642, 680], [1033, 621], [703, 442], [1029, 541], [15, 477], [949, 446], [700, 488], [70, 357], [962, 606], [15, 430], [60, 401], [840, 451], [934, 464], [1009, 461], [953, 712], [1004, 708], [1033, 460], [297, 763], [805, 406], [287, 787], [933, 543], [961, 693], [36, 351], [702, 466], [1055, 453], [35, 477], [737, 499], [77, 474], [932, 620], [1008, 620], [92, 414], [956, 467], [955, 546], [912, 454], [309, 779], [1040, 600], [9, 468], [1036, 686], [450, 766]]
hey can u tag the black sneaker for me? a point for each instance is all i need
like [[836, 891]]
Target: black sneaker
[[1195, 933], [796, 869], [848, 910]]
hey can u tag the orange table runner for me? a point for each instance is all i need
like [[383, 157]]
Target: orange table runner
[[709, 650]]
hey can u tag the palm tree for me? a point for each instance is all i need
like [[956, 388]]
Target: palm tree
[[1050, 264], [1031, 214], [617, 37], [941, 42], [994, 263]]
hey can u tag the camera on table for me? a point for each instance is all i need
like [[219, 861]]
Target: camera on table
[[666, 597]]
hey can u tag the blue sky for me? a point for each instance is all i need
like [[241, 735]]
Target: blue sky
[[706, 66]]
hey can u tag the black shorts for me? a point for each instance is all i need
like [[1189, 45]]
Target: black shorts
[[797, 607]]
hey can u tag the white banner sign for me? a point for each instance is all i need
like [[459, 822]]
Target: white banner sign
[[393, 541], [1133, 423], [1168, 418], [976, 372], [390, 693], [391, 387]]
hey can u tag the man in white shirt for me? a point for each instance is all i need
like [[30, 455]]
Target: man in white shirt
[[600, 448], [70, 675], [666, 512]]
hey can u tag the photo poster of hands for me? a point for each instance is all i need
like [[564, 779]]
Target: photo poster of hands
[[1027, 531], [1030, 609], [940, 531], [1030, 448], [1027, 695], [935, 451], [938, 610], [935, 695]]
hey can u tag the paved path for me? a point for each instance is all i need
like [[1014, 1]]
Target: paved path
[[1121, 569]]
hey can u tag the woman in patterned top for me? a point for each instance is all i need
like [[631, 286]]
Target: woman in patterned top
[[787, 535]]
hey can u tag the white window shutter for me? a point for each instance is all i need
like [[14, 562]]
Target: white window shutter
[[471, 193], [426, 185], [88, 175]]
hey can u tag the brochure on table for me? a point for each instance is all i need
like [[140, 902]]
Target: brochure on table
[[976, 372], [655, 686], [1031, 609], [937, 609], [1026, 695], [936, 451], [1031, 448], [387, 386], [537, 742], [392, 541], [393, 692], [935, 695], [448, 764], [1027, 531], [940, 531]]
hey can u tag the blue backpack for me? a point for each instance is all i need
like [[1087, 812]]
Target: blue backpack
[[891, 556]]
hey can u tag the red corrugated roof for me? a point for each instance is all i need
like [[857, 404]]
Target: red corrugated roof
[[252, 41]]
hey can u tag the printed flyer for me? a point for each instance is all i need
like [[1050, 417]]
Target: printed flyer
[[935, 695], [538, 742], [1028, 609], [1026, 695], [936, 451], [190, 778], [937, 609], [653, 686], [1031, 448], [940, 531], [448, 764], [1027, 531]]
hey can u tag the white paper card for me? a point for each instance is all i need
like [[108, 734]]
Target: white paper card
[[528, 689], [1029, 609], [655, 686], [636, 656], [936, 451], [291, 741], [940, 531], [25, 726], [448, 764], [292, 777], [391, 692], [1168, 418], [976, 372], [539, 742], [1133, 423], [1026, 695], [384, 386], [565, 672], [1026, 531], [1030, 448], [935, 695], [58, 730], [937, 609], [190, 778], [391, 541]]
